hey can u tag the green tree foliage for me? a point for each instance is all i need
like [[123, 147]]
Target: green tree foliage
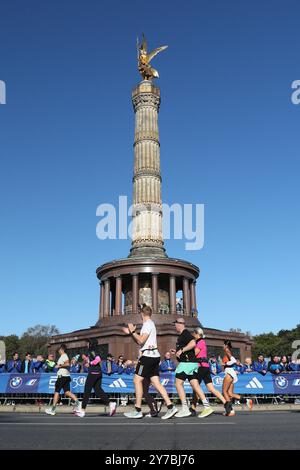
[[270, 344], [12, 344], [34, 341]]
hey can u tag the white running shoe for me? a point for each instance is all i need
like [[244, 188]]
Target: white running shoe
[[79, 413], [77, 408], [50, 411], [170, 413], [183, 413], [134, 415], [112, 408]]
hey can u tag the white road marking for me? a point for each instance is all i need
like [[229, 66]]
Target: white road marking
[[114, 424]]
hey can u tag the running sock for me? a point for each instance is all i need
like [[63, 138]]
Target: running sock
[[53, 407], [205, 403], [77, 402], [170, 406], [138, 409], [184, 403], [243, 400]]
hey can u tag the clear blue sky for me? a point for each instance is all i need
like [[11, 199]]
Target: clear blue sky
[[229, 139]]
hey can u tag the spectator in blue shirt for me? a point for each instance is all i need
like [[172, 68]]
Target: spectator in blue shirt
[[38, 366], [167, 365], [109, 366], [129, 368], [248, 365], [274, 366], [2, 368], [285, 364], [26, 367], [215, 367], [121, 364], [14, 365], [74, 366], [239, 367], [294, 367], [260, 365]]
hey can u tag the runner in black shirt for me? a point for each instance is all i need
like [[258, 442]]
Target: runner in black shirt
[[187, 369]]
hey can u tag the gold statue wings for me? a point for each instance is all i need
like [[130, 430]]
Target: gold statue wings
[[144, 59]]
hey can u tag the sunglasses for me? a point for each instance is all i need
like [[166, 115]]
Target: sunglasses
[[179, 322]]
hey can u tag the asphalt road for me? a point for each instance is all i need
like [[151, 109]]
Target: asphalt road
[[261, 430]]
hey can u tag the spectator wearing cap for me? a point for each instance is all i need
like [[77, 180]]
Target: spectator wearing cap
[[109, 366], [275, 366], [215, 367], [14, 365], [167, 365], [260, 365]]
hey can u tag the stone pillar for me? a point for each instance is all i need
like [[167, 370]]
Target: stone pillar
[[118, 299], [172, 294], [154, 293], [147, 235], [107, 298], [101, 305], [135, 293], [193, 297], [186, 297]]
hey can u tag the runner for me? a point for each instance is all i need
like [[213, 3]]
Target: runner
[[204, 371], [187, 369], [148, 364], [63, 382], [230, 379], [93, 381]]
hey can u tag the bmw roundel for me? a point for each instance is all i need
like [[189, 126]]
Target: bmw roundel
[[281, 382], [16, 382]]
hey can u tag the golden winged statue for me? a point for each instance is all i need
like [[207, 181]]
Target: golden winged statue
[[144, 59]]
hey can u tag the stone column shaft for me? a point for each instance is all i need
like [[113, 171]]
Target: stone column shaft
[[118, 301], [186, 297], [172, 293], [154, 293], [135, 293], [107, 298]]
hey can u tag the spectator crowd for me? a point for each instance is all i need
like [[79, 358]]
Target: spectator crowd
[[80, 364]]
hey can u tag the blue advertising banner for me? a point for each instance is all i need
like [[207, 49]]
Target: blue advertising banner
[[252, 383], [287, 384]]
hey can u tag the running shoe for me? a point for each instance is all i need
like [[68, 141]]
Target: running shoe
[[183, 413], [77, 407], [112, 408], [79, 413], [149, 415], [170, 413], [249, 403], [134, 415], [228, 408], [50, 411], [206, 412]]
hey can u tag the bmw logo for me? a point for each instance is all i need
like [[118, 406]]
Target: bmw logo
[[281, 382], [16, 382]]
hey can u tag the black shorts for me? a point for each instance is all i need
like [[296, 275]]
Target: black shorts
[[203, 374], [63, 383], [148, 367], [183, 376]]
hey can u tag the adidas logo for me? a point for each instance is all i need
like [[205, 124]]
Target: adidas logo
[[118, 384], [254, 383]]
